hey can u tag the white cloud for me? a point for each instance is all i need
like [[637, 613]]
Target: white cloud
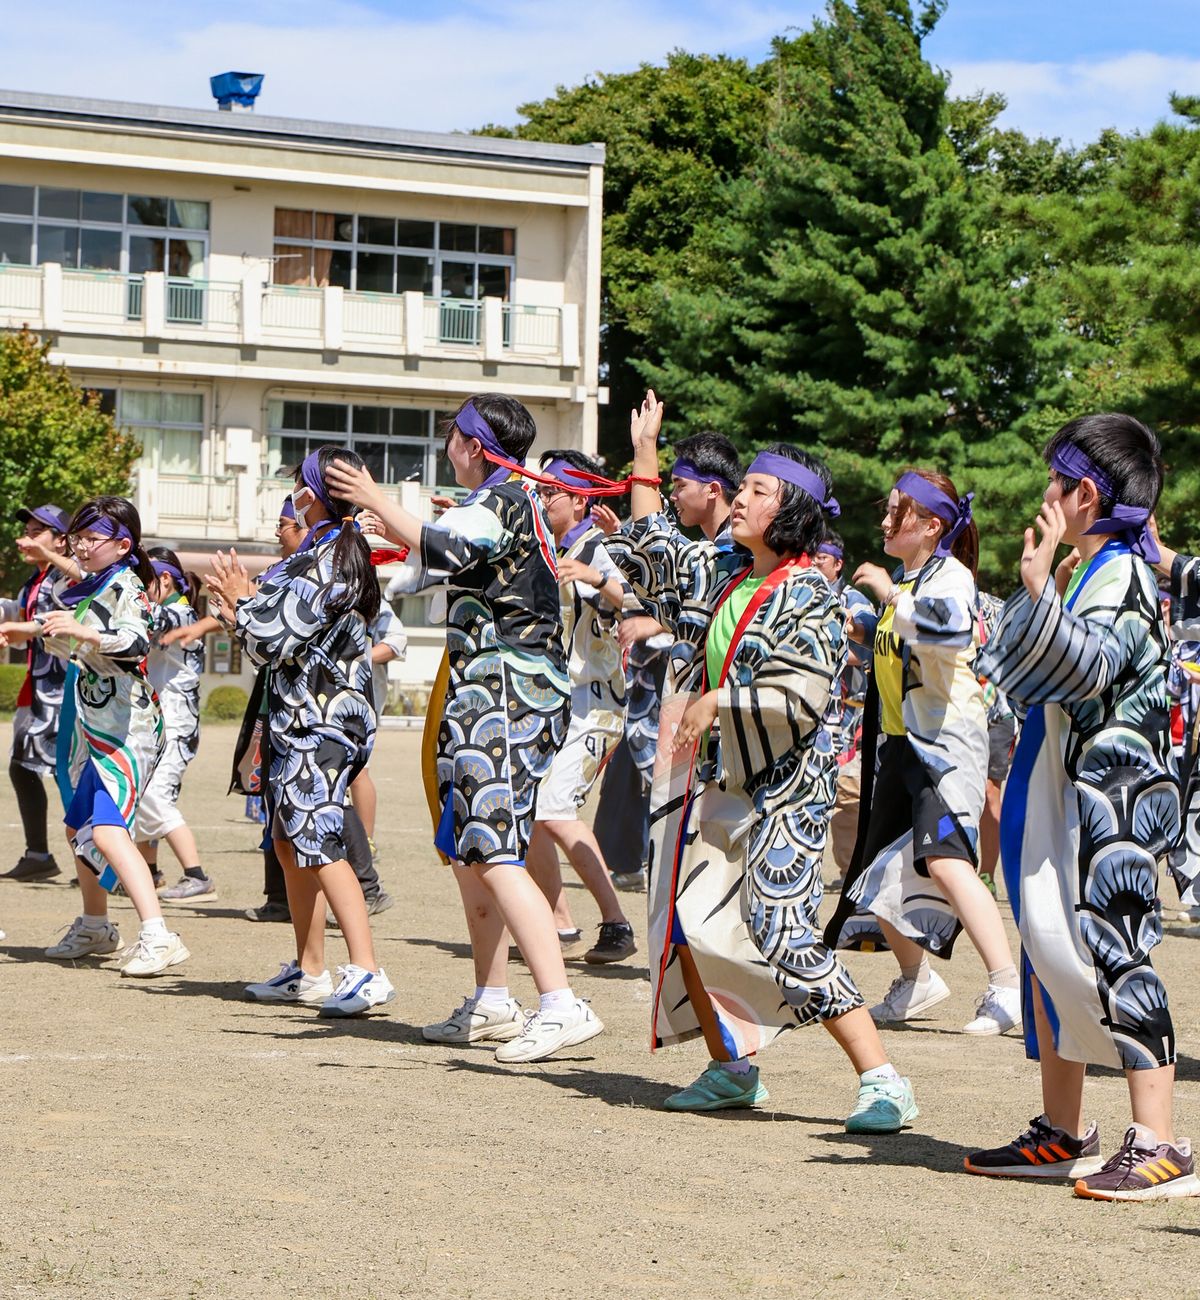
[[351, 63], [1076, 100]]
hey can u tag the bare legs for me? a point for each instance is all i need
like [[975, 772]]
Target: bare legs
[[183, 845], [365, 799], [577, 841], [119, 850], [308, 889]]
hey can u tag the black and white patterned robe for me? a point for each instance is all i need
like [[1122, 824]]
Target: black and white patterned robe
[[35, 724]]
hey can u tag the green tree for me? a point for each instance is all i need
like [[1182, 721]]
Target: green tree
[[870, 299], [55, 442]]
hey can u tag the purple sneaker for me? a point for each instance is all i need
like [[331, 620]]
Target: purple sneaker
[[1042, 1151], [1144, 1169]]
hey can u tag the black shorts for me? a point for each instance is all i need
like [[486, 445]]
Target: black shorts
[[1002, 736], [904, 798]]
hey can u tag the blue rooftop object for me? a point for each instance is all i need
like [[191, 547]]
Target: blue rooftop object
[[240, 88]]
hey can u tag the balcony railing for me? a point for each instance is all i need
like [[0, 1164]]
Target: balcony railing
[[58, 299], [201, 497]]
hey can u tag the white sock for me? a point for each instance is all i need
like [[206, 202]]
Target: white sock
[[919, 973], [880, 1074], [154, 928], [491, 995], [557, 1000], [743, 1065], [93, 922]]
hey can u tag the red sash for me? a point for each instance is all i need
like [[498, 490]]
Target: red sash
[[756, 602]]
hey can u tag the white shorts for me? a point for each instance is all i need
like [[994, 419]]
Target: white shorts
[[564, 789], [157, 813]]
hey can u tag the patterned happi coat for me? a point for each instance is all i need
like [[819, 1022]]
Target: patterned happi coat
[[945, 723], [111, 722], [35, 721], [174, 673], [1090, 806], [738, 829], [508, 695], [320, 709], [1185, 626]]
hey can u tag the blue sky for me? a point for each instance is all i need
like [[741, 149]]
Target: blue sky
[[1068, 67]]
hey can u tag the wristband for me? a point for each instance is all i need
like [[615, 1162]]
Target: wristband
[[645, 478]]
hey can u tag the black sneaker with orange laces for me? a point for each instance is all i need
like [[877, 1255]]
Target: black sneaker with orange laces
[[1144, 1169], [1042, 1151]]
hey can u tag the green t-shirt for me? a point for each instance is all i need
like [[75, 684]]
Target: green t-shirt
[[720, 632]]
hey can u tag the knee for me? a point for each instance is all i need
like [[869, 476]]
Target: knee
[[947, 871]]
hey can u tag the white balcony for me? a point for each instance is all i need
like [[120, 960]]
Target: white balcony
[[53, 298]]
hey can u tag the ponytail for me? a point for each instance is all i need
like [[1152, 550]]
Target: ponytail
[[352, 567]]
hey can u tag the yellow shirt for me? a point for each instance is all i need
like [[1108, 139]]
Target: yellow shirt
[[888, 668]]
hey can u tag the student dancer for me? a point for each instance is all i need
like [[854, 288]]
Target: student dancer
[[506, 713], [111, 732], [920, 848], [739, 824], [592, 594], [1091, 805], [308, 622], [35, 722], [174, 672]]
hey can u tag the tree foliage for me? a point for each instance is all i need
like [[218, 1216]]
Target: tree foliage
[[55, 443]]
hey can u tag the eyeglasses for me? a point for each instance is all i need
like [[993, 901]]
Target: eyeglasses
[[548, 494], [86, 542], [286, 527]]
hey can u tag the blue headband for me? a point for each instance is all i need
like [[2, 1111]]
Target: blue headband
[[566, 474], [1130, 523], [314, 480], [165, 566], [955, 514], [829, 548], [684, 468], [791, 471], [472, 425]]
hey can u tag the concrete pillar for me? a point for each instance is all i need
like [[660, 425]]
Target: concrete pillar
[[154, 304], [493, 329], [146, 495], [569, 335], [414, 323], [52, 296], [247, 504], [251, 297], [331, 316]]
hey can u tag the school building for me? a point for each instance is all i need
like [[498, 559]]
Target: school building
[[241, 288]]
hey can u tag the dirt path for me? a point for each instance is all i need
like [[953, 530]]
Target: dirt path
[[166, 1139]]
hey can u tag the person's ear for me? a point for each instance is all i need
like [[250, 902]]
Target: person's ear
[[1087, 495]]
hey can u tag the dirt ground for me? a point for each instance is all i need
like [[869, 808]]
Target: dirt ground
[[165, 1138]]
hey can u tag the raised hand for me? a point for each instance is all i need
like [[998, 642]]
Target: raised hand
[[1037, 559], [875, 578], [1065, 571], [353, 485], [644, 424], [229, 579], [605, 518]]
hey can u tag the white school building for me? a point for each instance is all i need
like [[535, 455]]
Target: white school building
[[241, 288]]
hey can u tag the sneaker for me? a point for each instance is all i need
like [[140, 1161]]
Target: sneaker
[[190, 887], [719, 1089], [883, 1106], [632, 882], [616, 942], [291, 985], [998, 1011], [29, 868], [268, 912], [907, 999], [488, 1022], [1042, 1151], [547, 1032], [988, 881], [83, 941], [358, 992], [1144, 1169], [374, 851], [152, 955], [377, 903], [1184, 913]]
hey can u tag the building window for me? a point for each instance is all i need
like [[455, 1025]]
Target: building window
[[440, 259], [91, 231], [170, 427], [398, 444]]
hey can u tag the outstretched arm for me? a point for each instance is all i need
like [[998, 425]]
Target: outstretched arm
[[358, 487], [644, 426]]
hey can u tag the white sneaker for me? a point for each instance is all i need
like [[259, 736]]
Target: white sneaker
[[83, 941], [999, 1010], [292, 985], [358, 992], [153, 954], [546, 1032], [493, 1022], [907, 999]]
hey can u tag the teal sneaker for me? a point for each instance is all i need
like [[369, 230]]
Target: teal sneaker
[[883, 1107], [718, 1089]]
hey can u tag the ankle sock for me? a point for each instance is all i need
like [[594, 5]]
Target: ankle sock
[[743, 1065], [1004, 978], [37, 857], [880, 1074], [154, 928], [196, 873], [918, 973], [492, 996], [93, 922], [557, 1000]]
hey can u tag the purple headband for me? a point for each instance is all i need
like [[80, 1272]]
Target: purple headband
[[684, 468], [106, 527], [472, 425], [165, 566], [1129, 523], [829, 548], [790, 471], [287, 510], [567, 474], [931, 497], [312, 478]]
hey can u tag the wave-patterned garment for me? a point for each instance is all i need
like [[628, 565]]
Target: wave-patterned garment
[[320, 709], [945, 723], [1090, 806], [35, 720], [116, 727], [508, 701], [1185, 630]]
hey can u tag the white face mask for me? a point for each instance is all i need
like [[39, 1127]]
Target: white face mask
[[302, 510]]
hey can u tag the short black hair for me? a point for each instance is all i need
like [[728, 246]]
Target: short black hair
[[190, 586], [712, 453], [509, 420], [1124, 448], [576, 459], [834, 538], [799, 527]]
